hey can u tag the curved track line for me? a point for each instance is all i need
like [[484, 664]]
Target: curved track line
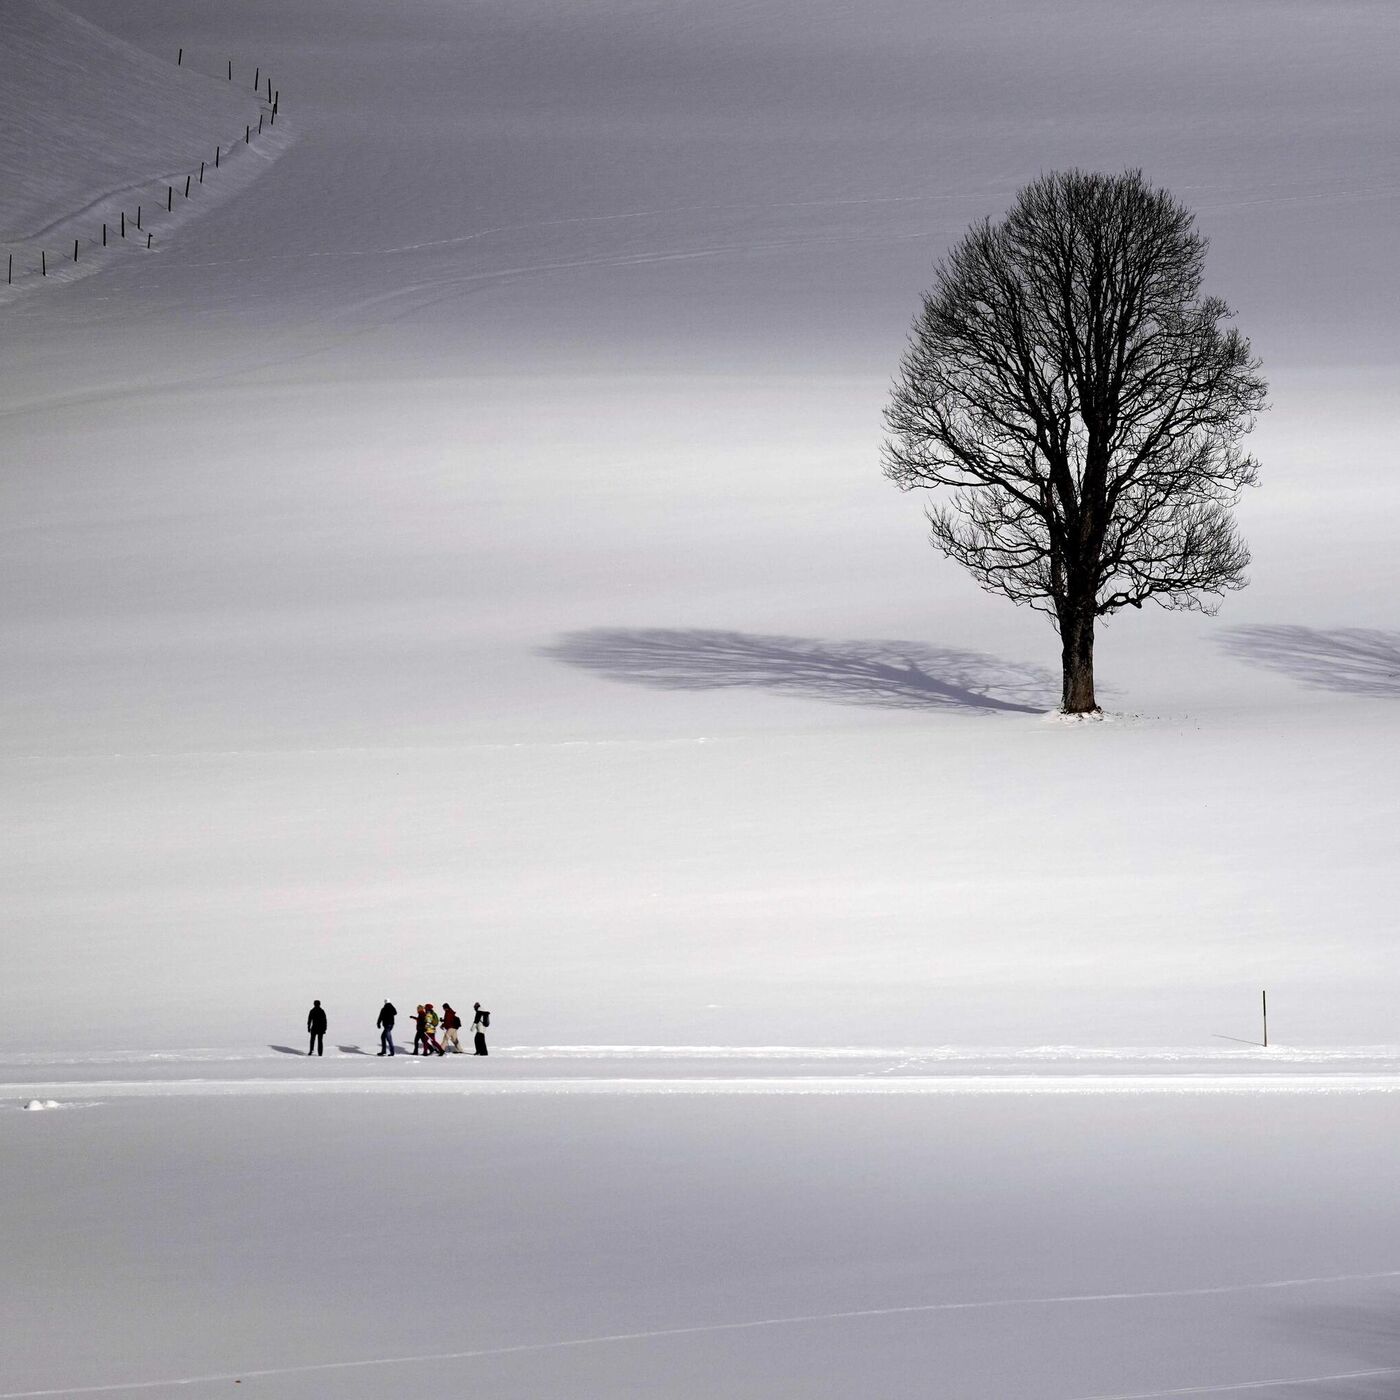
[[796, 1320], [1277, 1383]]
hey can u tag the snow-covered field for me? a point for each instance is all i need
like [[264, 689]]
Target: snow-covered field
[[754, 1224], [453, 562]]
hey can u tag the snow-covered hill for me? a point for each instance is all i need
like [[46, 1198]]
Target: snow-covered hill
[[459, 568], [93, 129], [462, 564]]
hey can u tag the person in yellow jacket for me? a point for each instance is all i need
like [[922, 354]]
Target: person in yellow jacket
[[431, 1021]]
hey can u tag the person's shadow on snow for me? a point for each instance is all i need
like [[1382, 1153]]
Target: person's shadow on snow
[[286, 1050], [891, 675], [1355, 660]]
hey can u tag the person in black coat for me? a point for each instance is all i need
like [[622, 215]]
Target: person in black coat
[[316, 1026], [483, 1019], [387, 1013]]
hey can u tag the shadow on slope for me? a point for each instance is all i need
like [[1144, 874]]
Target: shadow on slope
[[1367, 1335], [1356, 660], [892, 675]]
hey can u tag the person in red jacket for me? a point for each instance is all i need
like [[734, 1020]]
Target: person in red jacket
[[451, 1024]]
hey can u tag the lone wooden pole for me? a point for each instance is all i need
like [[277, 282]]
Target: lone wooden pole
[[10, 272], [247, 134], [180, 58], [201, 172], [230, 70], [257, 78], [216, 157], [187, 186], [138, 216], [75, 250], [1264, 998], [148, 240], [104, 235], [260, 122], [123, 223], [43, 263], [169, 198]]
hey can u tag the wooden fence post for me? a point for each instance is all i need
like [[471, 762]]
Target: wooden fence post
[[43, 263]]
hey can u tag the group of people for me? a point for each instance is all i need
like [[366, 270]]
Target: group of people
[[427, 1023]]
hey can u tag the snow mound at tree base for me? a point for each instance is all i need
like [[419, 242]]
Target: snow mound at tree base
[[1060, 717]]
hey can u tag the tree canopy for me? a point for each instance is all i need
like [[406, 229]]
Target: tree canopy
[[1079, 406]]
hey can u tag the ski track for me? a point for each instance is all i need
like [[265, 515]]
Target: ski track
[[952, 1085], [142, 184], [458, 240], [756, 1324], [1273, 1383], [433, 292], [443, 289]]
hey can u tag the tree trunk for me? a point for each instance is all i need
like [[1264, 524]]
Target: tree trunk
[[1077, 657]]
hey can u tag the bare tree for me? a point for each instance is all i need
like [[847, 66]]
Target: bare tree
[[1083, 403]]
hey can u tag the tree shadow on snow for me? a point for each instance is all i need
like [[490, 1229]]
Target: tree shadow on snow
[[1364, 1337], [1356, 660], [890, 675]]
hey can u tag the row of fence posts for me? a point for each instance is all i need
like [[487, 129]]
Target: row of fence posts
[[273, 100]]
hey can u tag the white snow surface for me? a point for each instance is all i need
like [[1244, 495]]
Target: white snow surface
[[93, 128], [457, 565], [675, 1240]]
